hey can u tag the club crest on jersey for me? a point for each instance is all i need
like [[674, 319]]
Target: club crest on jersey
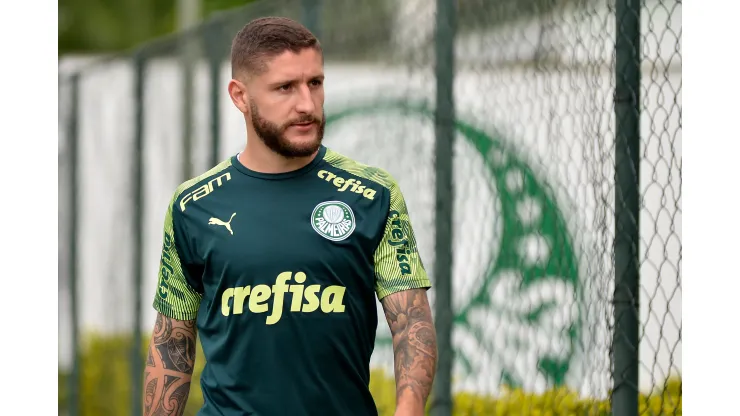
[[333, 220]]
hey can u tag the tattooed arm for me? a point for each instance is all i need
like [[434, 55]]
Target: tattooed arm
[[169, 367], [414, 348]]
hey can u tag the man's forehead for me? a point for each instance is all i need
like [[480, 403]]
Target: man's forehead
[[289, 65]]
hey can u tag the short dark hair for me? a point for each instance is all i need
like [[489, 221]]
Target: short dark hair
[[265, 38]]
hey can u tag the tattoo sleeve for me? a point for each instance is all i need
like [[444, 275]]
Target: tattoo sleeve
[[169, 367], [414, 343]]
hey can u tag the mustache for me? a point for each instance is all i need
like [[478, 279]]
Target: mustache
[[303, 119]]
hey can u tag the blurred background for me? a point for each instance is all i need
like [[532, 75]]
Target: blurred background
[[537, 142]]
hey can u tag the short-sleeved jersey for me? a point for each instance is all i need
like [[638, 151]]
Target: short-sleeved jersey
[[281, 273]]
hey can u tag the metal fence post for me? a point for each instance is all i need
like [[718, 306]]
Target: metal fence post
[[312, 16], [74, 187], [627, 209], [444, 120], [213, 45], [188, 17], [137, 360]]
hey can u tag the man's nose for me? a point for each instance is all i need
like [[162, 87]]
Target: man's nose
[[305, 101]]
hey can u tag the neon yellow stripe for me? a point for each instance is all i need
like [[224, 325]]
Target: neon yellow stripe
[[175, 298], [392, 274], [346, 164], [189, 183]]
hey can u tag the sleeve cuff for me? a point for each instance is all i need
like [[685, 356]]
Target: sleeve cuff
[[170, 312], [413, 284]]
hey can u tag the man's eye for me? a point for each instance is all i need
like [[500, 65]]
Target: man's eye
[[316, 83], [285, 87]]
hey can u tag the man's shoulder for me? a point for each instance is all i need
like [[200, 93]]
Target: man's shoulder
[[216, 175], [370, 173]]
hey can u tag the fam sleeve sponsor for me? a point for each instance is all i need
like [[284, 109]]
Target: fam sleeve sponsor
[[204, 190], [398, 265]]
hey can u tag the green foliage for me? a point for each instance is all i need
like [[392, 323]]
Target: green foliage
[[352, 27], [106, 390], [63, 390], [105, 379], [554, 402], [110, 26], [105, 375]]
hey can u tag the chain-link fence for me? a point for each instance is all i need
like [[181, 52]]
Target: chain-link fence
[[566, 198]]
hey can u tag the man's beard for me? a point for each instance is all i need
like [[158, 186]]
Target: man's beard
[[274, 136]]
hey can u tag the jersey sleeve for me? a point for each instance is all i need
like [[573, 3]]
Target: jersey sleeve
[[398, 265], [175, 297]]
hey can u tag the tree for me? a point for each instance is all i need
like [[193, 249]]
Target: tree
[[95, 26]]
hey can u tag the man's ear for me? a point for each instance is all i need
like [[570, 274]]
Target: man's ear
[[239, 95]]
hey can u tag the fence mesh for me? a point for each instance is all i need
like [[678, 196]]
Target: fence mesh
[[534, 177]]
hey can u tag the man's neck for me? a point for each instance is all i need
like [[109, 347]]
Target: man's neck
[[260, 158]]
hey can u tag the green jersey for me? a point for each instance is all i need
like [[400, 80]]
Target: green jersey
[[281, 273]]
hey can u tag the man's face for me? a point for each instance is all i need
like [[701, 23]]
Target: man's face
[[286, 103]]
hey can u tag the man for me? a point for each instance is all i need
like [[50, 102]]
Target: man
[[276, 256]]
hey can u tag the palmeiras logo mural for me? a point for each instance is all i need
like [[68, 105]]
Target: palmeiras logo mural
[[518, 313]]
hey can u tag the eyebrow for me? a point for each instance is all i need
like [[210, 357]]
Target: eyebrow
[[293, 81]]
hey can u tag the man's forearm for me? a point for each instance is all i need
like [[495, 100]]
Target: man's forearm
[[414, 346], [169, 367]]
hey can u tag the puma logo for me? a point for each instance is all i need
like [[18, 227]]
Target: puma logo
[[216, 221]]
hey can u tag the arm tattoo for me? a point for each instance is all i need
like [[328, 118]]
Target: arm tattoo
[[414, 342], [169, 367]]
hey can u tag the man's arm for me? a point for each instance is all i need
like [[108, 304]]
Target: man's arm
[[401, 284], [169, 367], [171, 358], [414, 348]]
